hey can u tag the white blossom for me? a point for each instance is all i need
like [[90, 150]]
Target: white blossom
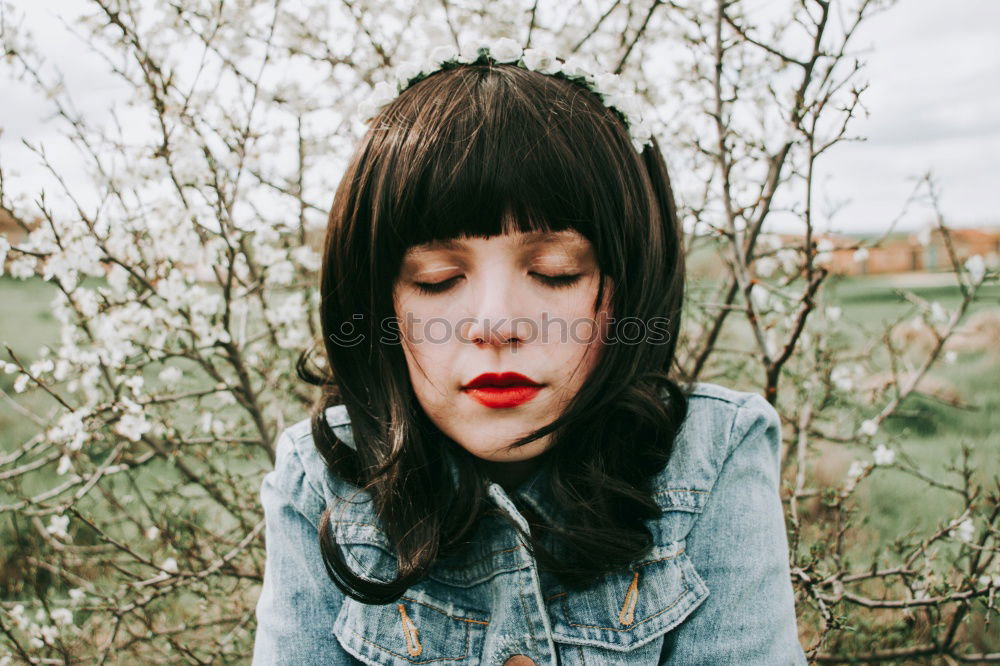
[[62, 616], [788, 257], [23, 267], [132, 426], [70, 429], [950, 356], [442, 54], [170, 375], [769, 242], [987, 580], [578, 66], [505, 49], [41, 366], [824, 251], [406, 70], [608, 85], [117, 277], [760, 296], [469, 52], [540, 60], [133, 383], [152, 532], [766, 266], [169, 565], [307, 257], [833, 313], [206, 422], [17, 612], [280, 273], [64, 465], [4, 248], [641, 135], [883, 455], [856, 469], [860, 254], [21, 383], [76, 595], [842, 377], [938, 313], [964, 531], [868, 427], [382, 93], [976, 268], [57, 526], [49, 634]]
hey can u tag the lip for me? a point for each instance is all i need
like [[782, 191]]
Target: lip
[[502, 380], [499, 391]]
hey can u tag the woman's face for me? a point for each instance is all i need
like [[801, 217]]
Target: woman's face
[[519, 303]]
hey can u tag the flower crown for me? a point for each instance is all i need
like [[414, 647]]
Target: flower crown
[[609, 87]]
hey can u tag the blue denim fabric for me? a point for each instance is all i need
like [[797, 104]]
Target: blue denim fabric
[[715, 590]]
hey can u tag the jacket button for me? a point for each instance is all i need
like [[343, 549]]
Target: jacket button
[[519, 660]]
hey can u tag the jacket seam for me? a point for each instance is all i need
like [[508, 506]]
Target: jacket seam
[[733, 442], [305, 480]]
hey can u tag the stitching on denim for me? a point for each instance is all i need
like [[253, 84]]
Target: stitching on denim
[[316, 491], [707, 390], [530, 641], [682, 490], [666, 557], [490, 555], [411, 635], [414, 661], [731, 441], [681, 596], [463, 574], [641, 564], [655, 615], [583, 660], [356, 522], [442, 611]]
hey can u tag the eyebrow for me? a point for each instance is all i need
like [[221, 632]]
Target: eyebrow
[[531, 238]]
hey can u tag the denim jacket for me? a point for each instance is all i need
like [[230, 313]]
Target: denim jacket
[[715, 590]]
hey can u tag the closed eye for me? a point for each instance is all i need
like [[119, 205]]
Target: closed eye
[[558, 281], [555, 281], [436, 287]]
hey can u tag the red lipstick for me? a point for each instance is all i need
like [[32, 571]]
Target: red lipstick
[[498, 391]]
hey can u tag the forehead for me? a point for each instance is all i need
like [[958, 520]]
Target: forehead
[[567, 237]]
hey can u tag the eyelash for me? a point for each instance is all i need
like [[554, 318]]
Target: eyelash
[[554, 281]]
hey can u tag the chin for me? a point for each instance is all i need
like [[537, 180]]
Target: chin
[[501, 455]]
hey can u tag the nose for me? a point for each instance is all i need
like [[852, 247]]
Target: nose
[[494, 320]]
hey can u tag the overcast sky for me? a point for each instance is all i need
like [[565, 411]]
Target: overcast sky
[[934, 104]]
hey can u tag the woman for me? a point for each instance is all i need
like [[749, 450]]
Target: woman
[[500, 469]]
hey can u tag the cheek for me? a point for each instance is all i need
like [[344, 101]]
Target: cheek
[[425, 354]]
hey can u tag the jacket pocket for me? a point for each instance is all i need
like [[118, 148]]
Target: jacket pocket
[[419, 628], [628, 609], [412, 630]]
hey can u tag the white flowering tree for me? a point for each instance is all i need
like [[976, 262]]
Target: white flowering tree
[[185, 272]]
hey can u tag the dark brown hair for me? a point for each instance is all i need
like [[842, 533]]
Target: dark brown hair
[[477, 150]]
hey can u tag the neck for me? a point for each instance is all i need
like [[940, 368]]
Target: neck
[[510, 474]]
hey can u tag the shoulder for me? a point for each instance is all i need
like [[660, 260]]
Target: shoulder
[[718, 421], [300, 473]]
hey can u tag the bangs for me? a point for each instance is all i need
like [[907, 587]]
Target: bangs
[[485, 150]]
